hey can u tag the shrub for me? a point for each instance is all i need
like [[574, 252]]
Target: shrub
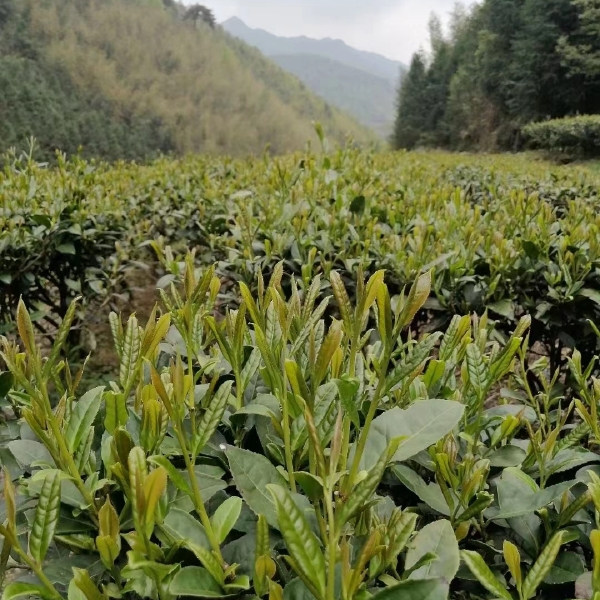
[[276, 448], [573, 135]]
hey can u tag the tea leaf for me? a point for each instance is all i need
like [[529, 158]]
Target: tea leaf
[[212, 417], [422, 424], [252, 473], [428, 589], [302, 544], [484, 575], [46, 518], [82, 417], [542, 566], [226, 517], [409, 365], [436, 538], [195, 582], [84, 582], [17, 589], [174, 475]]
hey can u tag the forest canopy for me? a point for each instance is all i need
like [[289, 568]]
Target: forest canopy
[[129, 79], [501, 65]]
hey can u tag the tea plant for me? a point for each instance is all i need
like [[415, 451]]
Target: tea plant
[[406, 213], [297, 446]]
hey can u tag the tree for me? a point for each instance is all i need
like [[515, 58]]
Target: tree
[[199, 12], [411, 117], [580, 52]]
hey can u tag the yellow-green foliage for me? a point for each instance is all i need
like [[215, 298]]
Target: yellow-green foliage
[[505, 234], [147, 62]]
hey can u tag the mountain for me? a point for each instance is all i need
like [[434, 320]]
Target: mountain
[[337, 50], [369, 98], [133, 78], [361, 83]]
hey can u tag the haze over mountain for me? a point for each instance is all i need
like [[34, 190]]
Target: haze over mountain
[[361, 83]]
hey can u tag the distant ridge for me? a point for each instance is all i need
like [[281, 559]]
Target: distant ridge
[[364, 84], [273, 45]]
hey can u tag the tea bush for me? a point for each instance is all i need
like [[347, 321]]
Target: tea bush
[[281, 453], [504, 234], [574, 135]]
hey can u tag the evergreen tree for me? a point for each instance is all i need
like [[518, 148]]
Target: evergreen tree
[[580, 52], [538, 88], [411, 118]]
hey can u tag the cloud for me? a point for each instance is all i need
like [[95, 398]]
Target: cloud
[[395, 28]]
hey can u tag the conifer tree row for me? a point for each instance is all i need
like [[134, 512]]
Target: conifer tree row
[[501, 65]]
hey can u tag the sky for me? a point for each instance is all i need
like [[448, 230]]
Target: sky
[[394, 28]]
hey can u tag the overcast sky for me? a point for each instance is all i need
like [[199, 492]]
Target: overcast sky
[[394, 28]]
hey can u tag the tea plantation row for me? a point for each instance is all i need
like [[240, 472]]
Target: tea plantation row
[[306, 414]]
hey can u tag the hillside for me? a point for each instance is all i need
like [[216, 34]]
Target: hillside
[[130, 79], [369, 98], [361, 83]]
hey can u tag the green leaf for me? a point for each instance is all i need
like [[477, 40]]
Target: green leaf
[[311, 484], [477, 370], [82, 417], [517, 497], [422, 424], [347, 388], [6, 382], [195, 582], [115, 409], [302, 544], [413, 589], [430, 493], [507, 456], [484, 575], [84, 582], [401, 528], [212, 417], [419, 292], [174, 475], [18, 589], [208, 561], [183, 527], [68, 248], [226, 517], [411, 363], [436, 538], [252, 473], [69, 493], [28, 452], [74, 593], [296, 590], [363, 492], [46, 518], [542, 565], [504, 308], [131, 351], [568, 567]]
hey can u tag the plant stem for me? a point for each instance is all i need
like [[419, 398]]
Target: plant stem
[[287, 438], [32, 564], [362, 438], [197, 498], [331, 547]]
